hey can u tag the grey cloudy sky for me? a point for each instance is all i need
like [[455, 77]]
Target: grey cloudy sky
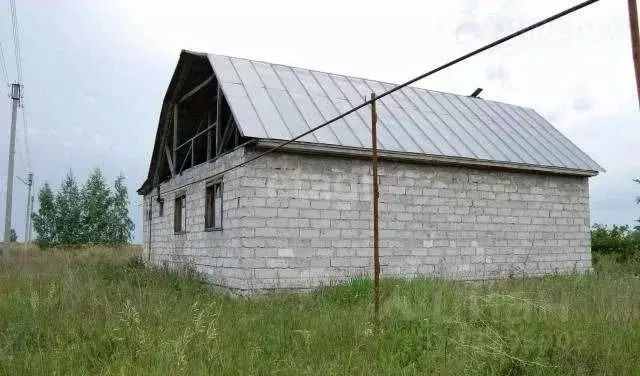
[[95, 72]]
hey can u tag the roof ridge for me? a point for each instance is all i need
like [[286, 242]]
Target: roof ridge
[[354, 77]]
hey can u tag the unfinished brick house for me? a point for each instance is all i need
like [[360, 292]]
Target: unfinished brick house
[[470, 188]]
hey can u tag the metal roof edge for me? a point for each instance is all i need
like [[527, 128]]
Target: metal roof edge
[[335, 150], [584, 154], [191, 52]]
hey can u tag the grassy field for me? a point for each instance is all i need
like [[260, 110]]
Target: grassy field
[[96, 312]]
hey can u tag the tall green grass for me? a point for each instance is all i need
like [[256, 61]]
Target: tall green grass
[[96, 312]]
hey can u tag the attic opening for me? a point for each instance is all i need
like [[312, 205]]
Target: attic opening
[[200, 125]]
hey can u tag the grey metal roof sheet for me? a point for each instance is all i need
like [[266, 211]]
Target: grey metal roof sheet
[[273, 101]]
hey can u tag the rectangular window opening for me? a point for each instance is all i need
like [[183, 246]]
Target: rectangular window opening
[[160, 208], [213, 207], [180, 215]]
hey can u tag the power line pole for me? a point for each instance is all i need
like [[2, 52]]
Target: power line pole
[[15, 97], [635, 41]]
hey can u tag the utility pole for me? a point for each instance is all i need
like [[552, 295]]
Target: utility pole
[[635, 41], [15, 97]]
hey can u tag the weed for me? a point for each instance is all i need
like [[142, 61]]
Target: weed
[[99, 311]]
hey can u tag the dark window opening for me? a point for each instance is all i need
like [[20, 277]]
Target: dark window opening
[[180, 215], [213, 207], [160, 208]]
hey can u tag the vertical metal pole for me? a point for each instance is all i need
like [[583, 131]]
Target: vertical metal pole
[[218, 120], [193, 155], [15, 97], [149, 217], [28, 219], [175, 135], [635, 41], [209, 135], [376, 195]]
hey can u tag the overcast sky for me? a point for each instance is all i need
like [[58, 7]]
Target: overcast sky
[[95, 73]]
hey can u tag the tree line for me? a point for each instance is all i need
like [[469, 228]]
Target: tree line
[[92, 214], [620, 241]]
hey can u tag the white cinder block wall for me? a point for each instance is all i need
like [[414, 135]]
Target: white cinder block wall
[[215, 254], [301, 221]]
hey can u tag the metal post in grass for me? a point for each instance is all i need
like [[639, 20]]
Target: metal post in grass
[[635, 41], [376, 194], [27, 221]]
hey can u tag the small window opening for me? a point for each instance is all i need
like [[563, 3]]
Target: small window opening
[[180, 215], [160, 208], [213, 207]]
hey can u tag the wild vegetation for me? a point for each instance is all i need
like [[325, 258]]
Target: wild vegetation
[[618, 240], [93, 214], [99, 311], [13, 236]]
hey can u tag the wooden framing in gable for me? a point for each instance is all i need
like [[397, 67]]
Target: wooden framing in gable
[[166, 124], [197, 124]]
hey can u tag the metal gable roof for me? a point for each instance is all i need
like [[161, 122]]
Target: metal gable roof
[[272, 101]]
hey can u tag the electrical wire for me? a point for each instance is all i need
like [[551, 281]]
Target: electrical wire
[[403, 85], [3, 65], [19, 155], [16, 40], [25, 138]]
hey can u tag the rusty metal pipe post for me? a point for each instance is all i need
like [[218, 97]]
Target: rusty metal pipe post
[[635, 41], [376, 195]]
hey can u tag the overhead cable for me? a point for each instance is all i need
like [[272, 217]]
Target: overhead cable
[[3, 65], [16, 39]]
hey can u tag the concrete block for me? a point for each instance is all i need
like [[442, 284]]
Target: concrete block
[[265, 212], [288, 212], [309, 233], [323, 204], [320, 223], [286, 252]]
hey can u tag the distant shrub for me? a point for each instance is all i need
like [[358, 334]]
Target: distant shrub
[[620, 241], [13, 236]]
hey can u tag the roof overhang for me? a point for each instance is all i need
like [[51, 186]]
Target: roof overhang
[[365, 153]]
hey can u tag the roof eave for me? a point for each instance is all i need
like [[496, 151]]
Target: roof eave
[[347, 151], [145, 188]]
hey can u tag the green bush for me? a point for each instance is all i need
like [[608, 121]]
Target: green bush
[[616, 240]]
